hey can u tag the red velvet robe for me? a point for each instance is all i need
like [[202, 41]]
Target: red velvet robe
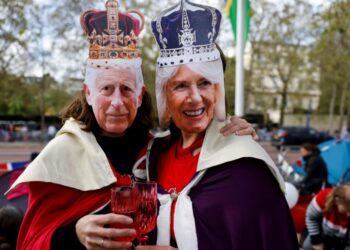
[[48, 210]]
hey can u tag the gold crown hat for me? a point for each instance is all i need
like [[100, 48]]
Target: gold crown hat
[[113, 38], [112, 34]]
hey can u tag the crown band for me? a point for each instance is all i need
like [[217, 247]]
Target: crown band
[[113, 63], [187, 50], [113, 53], [193, 54]]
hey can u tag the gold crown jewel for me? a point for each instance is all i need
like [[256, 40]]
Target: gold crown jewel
[[115, 41]]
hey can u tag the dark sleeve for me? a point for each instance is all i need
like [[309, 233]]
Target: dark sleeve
[[239, 205], [66, 238], [316, 176], [312, 168]]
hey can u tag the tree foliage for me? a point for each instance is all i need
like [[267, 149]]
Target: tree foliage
[[20, 96], [13, 40], [332, 53], [279, 49]]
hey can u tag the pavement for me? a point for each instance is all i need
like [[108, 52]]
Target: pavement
[[292, 153], [18, 151]]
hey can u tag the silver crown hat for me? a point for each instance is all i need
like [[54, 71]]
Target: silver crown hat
[[186, 34]]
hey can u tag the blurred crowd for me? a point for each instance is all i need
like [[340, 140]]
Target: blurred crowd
[[14, 131]]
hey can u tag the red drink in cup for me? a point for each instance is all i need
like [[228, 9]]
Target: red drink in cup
[[146, 215], [124, 201]]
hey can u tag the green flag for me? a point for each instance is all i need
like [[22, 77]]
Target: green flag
[[231, 11]]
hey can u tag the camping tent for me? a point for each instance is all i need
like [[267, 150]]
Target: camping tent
[[336, 154]]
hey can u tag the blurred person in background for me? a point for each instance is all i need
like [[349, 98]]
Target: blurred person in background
[[51, 132], [327, 220], [336, 134], [346, 134], [10, 221], [315, 170]]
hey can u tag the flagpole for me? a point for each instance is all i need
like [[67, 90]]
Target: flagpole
[[239, 91]]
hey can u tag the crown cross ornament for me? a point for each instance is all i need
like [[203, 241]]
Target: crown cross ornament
[[186, 37], [112, 18], [112, 34], [213, 25]]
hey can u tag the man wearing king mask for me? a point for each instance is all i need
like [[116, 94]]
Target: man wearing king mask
[[104, 130]]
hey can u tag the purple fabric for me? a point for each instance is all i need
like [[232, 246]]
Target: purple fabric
[[239, 206], [97, 20]]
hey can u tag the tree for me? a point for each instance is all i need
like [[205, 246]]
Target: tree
[[332, 52], [280, 49], [260, 14], [13, 39]]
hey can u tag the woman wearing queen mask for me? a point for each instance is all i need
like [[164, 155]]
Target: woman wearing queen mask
[[104, 130], [215, 192]]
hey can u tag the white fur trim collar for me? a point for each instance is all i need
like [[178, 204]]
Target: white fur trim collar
[[218, 149], [72, 159]]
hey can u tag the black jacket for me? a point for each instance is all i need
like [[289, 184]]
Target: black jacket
[[316, 174]]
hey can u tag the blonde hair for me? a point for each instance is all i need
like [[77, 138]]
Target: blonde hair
[[336, 194]]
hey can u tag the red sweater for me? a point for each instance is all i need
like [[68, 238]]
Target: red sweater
[[175, 169], [333, 223]]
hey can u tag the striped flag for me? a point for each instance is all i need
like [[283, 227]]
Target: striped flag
[[10, 166], [231, 12]]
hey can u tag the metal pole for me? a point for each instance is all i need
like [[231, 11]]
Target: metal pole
[[239, 92]]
